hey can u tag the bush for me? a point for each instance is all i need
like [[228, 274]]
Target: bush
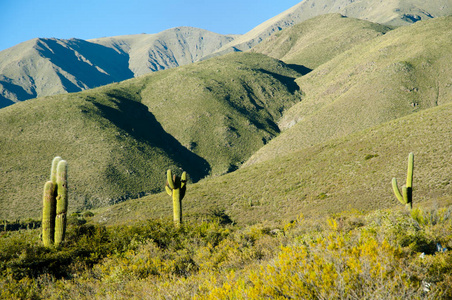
[[383, 255]]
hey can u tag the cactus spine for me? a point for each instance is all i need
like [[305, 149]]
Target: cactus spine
[[55, 203], [176, 187], [406, 197]]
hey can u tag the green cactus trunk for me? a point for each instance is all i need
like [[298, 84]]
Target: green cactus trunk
[[176, 187], [55, 204], [406, 197], [61, 202], [48, 214]]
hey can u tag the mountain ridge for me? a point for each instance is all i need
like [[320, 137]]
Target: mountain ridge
[[48, 66], [391, 12], [181, 45]]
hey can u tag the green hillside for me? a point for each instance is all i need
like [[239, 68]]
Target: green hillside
[[402, 72], [205, 118], [351, 173], [317, 40]]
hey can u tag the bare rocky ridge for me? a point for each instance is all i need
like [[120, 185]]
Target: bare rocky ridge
[[49, 66], [167, 49], [389, 12]]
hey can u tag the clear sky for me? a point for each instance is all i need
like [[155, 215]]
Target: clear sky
[[22, 20]]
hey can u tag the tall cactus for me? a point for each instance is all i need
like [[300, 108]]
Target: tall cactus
[[61, 202], [48, 214], [55, 203], [406, 197], [176, 187]]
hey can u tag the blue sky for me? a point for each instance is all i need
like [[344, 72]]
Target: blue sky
[[22, 20]]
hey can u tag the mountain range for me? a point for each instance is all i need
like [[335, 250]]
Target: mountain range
[[49, 66], [317, 118]]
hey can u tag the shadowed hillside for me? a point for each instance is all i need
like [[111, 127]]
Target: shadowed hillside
[[351, 173], [402, 72], [223, 109], [206, 118]]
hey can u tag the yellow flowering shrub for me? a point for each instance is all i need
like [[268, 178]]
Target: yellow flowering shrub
[[380, 255]]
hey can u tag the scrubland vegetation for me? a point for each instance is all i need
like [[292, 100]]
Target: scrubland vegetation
[[380, 255]]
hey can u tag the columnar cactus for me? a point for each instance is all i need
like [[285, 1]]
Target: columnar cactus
[[61, 202], [176, 187], [48, 214], [55, 204], [406, 197]]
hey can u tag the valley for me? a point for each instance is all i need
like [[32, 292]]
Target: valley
[[289, 135]]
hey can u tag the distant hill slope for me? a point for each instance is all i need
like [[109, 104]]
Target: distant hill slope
[[389, 12], [317, 40], [206, 118], [404, 71], [350, 173], [43, 67]]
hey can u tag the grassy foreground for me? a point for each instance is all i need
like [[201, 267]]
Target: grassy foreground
[[350, 255]]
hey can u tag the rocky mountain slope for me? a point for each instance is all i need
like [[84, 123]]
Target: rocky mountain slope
[[391, 12], [43, 67]]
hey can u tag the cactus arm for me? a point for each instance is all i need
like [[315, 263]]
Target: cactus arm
[[169, 191], [409, 176], [61, 203], [396, 191], [406, 197], [183, 180], [182, 193], [53, 171], [48, 214], [169, 179], [183, 185]]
